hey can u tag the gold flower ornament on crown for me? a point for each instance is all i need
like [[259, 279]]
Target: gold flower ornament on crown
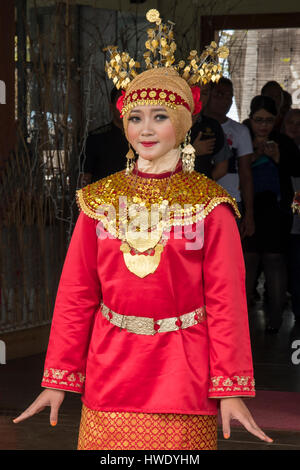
[[198, 69]]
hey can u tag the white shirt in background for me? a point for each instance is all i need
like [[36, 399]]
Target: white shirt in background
[[240, 142]]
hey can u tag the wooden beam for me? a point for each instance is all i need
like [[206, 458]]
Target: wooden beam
[[7, 77]]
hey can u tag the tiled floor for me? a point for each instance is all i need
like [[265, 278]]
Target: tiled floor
[[20, 384]]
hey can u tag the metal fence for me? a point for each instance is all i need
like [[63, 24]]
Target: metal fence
[[30, 270]]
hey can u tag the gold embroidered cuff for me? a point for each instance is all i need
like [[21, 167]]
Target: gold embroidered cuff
[[149, 326], [63, 380], [238, 385]]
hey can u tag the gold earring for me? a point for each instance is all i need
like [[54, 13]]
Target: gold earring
[[130, 160], [188, 154]]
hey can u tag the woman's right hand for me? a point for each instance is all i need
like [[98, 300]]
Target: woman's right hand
[[48, 397], [272, 150], [259, 148], [204, 147]]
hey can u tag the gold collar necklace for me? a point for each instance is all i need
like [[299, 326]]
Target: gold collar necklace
[[145, 241]]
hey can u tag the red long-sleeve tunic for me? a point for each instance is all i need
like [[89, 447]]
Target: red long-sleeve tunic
[[177, 371]]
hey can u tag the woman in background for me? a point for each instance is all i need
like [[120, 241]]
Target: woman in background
[[274, 162]]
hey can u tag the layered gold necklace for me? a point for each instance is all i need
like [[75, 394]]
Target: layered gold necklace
[[135, 243]]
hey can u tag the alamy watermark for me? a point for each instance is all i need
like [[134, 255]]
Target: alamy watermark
[[2, 92], [136, 221], [2, 352], [160, 458], [296, 354]]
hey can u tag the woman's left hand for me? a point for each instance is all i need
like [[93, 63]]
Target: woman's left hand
[[235, 408], [272, 150]]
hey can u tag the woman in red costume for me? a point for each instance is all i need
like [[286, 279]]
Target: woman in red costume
[[150, 322]]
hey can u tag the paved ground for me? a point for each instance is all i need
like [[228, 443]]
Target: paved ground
[[20, 384]]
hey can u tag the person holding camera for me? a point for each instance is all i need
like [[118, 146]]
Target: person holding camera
[[274, 161]]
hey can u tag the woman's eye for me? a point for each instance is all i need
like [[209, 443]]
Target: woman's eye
[[134, 118], [161, 117]]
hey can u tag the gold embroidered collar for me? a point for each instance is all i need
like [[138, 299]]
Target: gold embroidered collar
[[183, 200], [194, 194]]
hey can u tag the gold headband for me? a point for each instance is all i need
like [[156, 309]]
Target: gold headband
[[153, 96]]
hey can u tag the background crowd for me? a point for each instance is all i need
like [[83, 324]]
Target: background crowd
[[257, 162]]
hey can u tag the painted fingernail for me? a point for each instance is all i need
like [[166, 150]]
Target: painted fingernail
[[226, 436], [53, 423]]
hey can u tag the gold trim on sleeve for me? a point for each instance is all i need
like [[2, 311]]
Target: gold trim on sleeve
[[64, 378], [235, 385]]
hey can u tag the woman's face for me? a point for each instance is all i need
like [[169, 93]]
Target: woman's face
[[262, 123], [150, 131], [292, 126]]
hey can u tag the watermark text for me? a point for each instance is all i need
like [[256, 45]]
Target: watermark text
[[2, 352], [296, 354], [136, 221]]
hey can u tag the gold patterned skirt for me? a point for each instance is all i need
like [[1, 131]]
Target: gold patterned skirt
[[103, 430]]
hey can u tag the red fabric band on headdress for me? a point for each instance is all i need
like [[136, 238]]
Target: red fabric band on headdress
[[159, 95]]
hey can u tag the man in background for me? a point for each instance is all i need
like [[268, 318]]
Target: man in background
[[208, 139], [274, 91], [238, 181]]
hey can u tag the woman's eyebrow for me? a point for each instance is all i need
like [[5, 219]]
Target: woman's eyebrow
[[158, 109], [153, 110]]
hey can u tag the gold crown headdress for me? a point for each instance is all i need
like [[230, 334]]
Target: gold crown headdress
[[164, 82], [160, 45]]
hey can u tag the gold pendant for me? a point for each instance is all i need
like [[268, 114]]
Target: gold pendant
[[142, 241], [141, 265]]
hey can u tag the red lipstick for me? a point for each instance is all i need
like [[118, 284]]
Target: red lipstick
[[148, 144]]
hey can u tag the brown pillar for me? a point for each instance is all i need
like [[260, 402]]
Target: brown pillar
[[7, 79]]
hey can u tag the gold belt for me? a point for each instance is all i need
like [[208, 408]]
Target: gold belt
[[149, 326]]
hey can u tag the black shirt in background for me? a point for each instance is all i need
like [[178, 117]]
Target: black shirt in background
[[289, 164], [105, 152], [210, 129]]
